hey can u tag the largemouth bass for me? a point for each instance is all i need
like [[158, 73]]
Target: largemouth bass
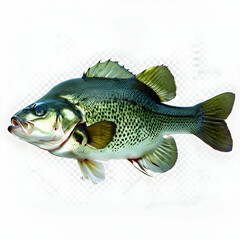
[[111, 113]]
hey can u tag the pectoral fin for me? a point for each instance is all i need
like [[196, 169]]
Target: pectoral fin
[[92, 170], [101, 134]]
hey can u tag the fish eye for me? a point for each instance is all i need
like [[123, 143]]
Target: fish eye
[[40, 110]]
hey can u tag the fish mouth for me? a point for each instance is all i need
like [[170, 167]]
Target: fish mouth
[[18, 125]]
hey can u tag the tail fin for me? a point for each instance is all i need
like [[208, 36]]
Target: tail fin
[[214, 130]]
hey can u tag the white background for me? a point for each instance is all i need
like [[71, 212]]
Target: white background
[[45, 42]]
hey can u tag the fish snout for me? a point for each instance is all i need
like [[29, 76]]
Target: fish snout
[[17, 123]]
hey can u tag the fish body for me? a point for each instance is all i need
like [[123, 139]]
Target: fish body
[[141, 122], [110, 113]]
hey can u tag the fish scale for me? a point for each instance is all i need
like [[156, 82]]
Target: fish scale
[[134, 122], [138, 124]]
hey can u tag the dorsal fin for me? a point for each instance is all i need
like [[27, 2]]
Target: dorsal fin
[[160, 80], [108, 69]]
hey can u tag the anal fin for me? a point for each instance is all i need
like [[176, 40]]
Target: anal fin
[[162, 159], [135, 163], [92, 170]]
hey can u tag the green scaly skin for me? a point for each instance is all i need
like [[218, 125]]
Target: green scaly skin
[[141, 122]]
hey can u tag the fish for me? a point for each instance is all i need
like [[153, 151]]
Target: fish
[[110, 113]]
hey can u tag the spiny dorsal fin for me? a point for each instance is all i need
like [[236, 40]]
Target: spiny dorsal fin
[[161, 80], [92, 170], [101, 134], [163, 158], [108, 69]]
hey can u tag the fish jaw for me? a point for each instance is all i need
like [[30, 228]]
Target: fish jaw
[[25, 130], [19, 127]]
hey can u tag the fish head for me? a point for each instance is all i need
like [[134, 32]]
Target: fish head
[[46, 124]]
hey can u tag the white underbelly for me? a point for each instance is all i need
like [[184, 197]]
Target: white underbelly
[[132, 152], [72, 149]]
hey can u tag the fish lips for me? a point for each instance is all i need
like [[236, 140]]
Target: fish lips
[[18, 124]]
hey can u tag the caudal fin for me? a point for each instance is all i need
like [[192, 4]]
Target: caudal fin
[[214, 130]]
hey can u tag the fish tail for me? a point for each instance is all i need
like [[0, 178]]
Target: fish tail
[[213, 129]]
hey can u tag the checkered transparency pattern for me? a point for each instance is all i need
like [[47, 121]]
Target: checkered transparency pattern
[[61, 178]]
